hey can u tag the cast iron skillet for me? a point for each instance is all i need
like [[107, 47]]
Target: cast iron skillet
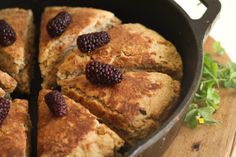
[[164, 16]]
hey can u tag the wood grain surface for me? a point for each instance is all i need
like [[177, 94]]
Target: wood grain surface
[[213, 140]]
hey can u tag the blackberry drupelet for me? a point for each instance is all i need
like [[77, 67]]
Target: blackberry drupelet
[[56, 103], [7, 34], [4, 109], [91, 41], [103, 74], [58, 25]]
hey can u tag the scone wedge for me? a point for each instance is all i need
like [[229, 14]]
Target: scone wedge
[[15, 131], [7, 84], [17, 59], [53, 50], [133, 108], [77, 134], [133, 47]]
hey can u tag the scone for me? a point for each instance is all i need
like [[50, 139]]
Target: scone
[[15, 131], [76, 134], [133, 47], [133, 108], [53, 50], [7, 84], [17, 59]]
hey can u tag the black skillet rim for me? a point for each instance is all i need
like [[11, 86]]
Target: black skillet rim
[[172, 120]]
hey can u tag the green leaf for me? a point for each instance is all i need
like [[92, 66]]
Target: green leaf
[[218, 48], [190, 118], [206, 113], [214, 68], [233, 75], [213, 97], [207, 61], [228, 84], [232, 66]]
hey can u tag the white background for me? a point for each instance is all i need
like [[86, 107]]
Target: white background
[[224, 29]]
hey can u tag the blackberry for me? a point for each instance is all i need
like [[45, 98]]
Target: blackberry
[[7, 34], [103, 74], [58, 25], [56, 103], [4, 109], [91, 41]]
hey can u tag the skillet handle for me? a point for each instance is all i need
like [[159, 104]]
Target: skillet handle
[[202, 26]]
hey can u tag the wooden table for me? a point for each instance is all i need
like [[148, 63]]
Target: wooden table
[[213, 140]]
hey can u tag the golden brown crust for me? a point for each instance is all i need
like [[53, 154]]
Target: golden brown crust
[[132, 107], [73, 65], [84, 20], [17, 56], [2, 92], [135, 106], [133, 47], [75, 132], [15, 130], [7, 83], [15, 52]]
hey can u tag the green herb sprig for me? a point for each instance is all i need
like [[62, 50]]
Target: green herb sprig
[[219, 49], [207, 98]]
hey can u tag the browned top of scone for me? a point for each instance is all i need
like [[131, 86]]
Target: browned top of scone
[[81, 18], [129, 96], [77, 132], [2, 93], [133, 47], [132, 105], [15, 129], [7, 83], [52, 50], [19, 21], [60, 136]]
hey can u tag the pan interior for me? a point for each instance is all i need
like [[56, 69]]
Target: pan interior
[[158, 15]]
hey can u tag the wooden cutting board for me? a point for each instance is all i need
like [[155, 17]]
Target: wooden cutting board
[[213, 140]]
